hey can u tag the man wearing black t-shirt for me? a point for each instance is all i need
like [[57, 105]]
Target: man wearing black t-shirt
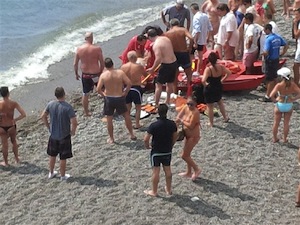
[[164, 135]]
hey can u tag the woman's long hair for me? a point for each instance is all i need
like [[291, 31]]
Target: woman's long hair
[[213, 58]]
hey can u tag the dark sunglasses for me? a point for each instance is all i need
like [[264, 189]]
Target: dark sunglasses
[[190, 104]]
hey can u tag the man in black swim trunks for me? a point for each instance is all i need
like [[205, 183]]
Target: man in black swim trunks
[[164, 56], [8, 127], [92, 65], [164, 135]]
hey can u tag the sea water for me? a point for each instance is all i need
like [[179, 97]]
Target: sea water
[[36, 34]]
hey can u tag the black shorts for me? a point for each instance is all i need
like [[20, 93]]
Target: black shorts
[[88, 82], [167, 73], [114, 103], [160, 158], [271, 67], [134, 95], [183, 59], [199, 48], [62, 147]]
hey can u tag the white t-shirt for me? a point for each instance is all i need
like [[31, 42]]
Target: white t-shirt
[[228, 23], [253, 30]]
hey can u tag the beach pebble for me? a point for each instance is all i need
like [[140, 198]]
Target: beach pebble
[[195, 198]]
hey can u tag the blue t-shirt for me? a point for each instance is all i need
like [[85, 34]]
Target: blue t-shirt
[[162, 135], [272, 46], [239, 17], [60, 114], [180, 14]]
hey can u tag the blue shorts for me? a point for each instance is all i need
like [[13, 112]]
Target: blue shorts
[[199, 48], [114, 103], [134, 95], [167, 73], [62, 147], [160, 158], [183, 59]]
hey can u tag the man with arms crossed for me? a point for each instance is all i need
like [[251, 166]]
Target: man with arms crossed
[[165, 56], [178, 36], [8, 128], [134, 72], [113, 81], [63, 124], [164, 135], [92, 66]]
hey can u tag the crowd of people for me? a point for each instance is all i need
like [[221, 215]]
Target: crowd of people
[[240, 29]]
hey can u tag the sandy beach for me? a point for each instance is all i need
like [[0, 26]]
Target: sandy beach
[[245, 179]]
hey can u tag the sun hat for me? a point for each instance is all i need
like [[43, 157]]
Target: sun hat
[[284, 72]]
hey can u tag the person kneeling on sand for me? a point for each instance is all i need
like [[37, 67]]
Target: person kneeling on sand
[[111, 86], [8, 128], [63, 124], [134, 72], [164, 135]]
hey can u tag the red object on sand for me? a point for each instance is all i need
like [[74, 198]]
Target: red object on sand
[[237, 81]]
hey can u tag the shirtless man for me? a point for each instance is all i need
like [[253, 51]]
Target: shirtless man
[[113, 81], [92, 66], [134, 72], [178, 36], [8, 127], [210, 7], [164, 55]]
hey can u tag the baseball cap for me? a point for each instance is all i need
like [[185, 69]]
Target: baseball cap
[[284, 72], [181, 2]]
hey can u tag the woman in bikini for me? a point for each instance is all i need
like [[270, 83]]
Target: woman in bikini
[[189, 117], [214, 75], [284, 94], [8, 124]]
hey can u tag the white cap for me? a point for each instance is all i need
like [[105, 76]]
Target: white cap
[[181, 2], [284, 72]]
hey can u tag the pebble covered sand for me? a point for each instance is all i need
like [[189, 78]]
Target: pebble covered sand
[[245, 179]]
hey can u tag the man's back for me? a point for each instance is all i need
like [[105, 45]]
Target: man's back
[[7, 108], [114, 81], [164, 47], [134, 72], [162, 135], [177, 35], [89, 56], [60, 113]]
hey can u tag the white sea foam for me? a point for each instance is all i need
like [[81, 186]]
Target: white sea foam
[[34, 67]]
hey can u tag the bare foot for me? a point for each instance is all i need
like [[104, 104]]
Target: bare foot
[[209, 125], [226, 120], [138, 126], [285, 140], [151, 193], [196, 175], [4, 164], [87, 114], [185, 174], [134, 138], [17, 160], [275, 140], [168, 192], [110, 141]]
